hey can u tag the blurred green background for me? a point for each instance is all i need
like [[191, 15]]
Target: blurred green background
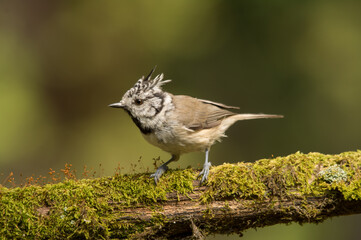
[[63, 62]]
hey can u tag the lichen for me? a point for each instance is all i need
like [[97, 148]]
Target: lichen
[[333, 174]]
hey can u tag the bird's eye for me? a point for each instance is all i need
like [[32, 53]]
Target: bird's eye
[[138, 101]]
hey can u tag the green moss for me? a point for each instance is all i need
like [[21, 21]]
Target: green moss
[[233, 181], [158, 219], [17, 210], [85, 208], [293, 176]]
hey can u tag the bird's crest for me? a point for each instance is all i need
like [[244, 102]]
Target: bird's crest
[[145, 84]]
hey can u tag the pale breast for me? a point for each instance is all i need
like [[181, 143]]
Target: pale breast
[[184, 140]]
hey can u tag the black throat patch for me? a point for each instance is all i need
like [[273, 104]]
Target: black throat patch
[[143, 129]]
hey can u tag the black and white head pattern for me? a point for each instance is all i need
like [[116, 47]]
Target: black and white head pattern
[[145, 100]]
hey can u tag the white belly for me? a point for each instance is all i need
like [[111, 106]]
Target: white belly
[[185, 140]]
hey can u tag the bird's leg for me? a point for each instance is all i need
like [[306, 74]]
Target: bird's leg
[[205, 171], [163, 168]]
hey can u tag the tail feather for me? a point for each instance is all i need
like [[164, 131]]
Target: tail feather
[[227, 122], [248, 116]]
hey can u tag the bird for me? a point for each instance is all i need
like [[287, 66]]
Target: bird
[[178, 124]]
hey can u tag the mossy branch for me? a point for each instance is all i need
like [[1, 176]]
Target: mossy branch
[[296, 188]]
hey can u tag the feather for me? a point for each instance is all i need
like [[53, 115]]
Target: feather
[[150, 74]]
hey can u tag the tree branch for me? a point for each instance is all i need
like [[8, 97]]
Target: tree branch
[[296, 188]]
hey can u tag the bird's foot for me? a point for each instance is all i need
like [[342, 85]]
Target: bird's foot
[[162, 169], [205, 172]]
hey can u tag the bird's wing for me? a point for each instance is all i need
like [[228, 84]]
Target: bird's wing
[[198, 114]]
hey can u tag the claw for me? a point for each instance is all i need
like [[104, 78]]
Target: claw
[[205, 172], [162, 169]]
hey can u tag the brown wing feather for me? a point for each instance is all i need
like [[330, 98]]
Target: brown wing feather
[[198, 114]]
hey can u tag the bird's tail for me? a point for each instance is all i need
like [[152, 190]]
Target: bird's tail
[[227, 122]]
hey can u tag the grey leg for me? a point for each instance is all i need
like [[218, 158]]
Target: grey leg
[[162, 169], [205, 171]]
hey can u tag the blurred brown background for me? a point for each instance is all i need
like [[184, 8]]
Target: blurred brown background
[[63, 62]]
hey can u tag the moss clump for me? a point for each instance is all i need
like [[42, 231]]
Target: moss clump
[[233, 181], [83, 209], [139, 188], [17, 213], [296, 175]]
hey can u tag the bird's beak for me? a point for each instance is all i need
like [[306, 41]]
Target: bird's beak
[[117, 105]]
